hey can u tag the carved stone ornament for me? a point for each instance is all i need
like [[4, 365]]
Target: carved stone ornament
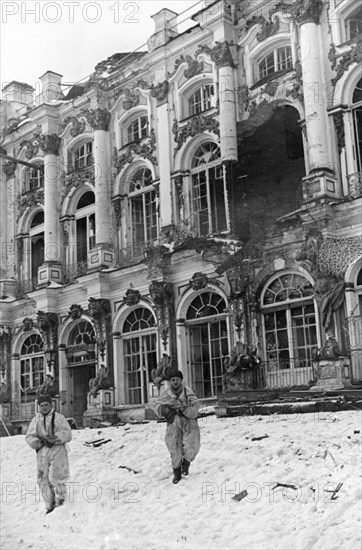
[[27, 324], [20, 246], [198, 281], [49, 143], [339, 126], [132, 297], [28, 200], [270, 88], [196, 125], [75, 312], [302, 11], [162, 296], [220, 54], [353, 56], [131, 98], [78, 126], [48, 326], [193, 66], [160, 91], [31, 148], [97, 118], [9, 168], [244, 95], [268, 28], [143, 149]]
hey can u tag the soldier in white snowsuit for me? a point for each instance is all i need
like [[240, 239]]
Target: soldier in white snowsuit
[[47, 434], [179, 405]]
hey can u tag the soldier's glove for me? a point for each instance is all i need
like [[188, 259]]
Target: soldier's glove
[[168, 413]]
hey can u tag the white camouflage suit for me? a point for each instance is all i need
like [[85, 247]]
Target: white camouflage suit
[[52, 463], [183, 435]]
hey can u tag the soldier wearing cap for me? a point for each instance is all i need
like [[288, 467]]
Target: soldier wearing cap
[[179, 406], [48, 434]]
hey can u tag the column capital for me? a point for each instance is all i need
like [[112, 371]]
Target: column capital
[[49, 143], [9, 168], [302, 11], [97, 118], [220, 54]]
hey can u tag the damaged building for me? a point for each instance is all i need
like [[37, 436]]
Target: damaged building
[[196, 206]]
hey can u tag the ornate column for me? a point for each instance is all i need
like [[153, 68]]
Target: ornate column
[[51, 270], [102, 255], [160, 93], [223, 59], [7, 227], [162, 296], [321, 180], [48, 326], [100, 312]]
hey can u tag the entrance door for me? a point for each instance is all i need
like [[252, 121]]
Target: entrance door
[[81, 377]]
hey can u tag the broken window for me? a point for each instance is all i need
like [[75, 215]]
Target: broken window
[[208, 190], [139, 354], [277, 60], [144, 208], [200, 100], [357, 121]]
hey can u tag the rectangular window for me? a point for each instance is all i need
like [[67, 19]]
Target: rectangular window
[[209, 201], [144, 218], [278, 60], [200, 100], [208, 347], [36, 179], [83, 156], [284, 58], [267, 65], [140, 358], [357, 119], [31, 373], [138, 129]]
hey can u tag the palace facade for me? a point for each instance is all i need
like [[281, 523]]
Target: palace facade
[[198, 201]]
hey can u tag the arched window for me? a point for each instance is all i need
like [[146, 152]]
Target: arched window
[[139, 354], [353, 24], [357, 122], [208, 342], [208, 190], [85, 225], [143, 203], [290, 329], [200, 100], [31, 364], [279, 59]]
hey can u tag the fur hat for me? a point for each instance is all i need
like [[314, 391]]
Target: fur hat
[[44, 398], [176, 374]]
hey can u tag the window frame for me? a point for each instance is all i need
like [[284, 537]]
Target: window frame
[[149, 210], [277, 64], [89, 213], [31, 358], [209, 183], [82, 159]]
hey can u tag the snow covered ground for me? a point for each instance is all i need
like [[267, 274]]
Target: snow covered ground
[[114, 508]]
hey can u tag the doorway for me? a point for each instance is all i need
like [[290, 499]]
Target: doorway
[[81, 376]]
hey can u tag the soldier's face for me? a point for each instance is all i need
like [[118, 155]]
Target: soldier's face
[[175, 382], [45, 407]]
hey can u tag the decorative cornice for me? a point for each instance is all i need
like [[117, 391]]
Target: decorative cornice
[[78, 126], [97, 118], [302, 11], [196, 125], [220, 54], [353, 56], [160, 92], [49, 143], [141, 149]]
